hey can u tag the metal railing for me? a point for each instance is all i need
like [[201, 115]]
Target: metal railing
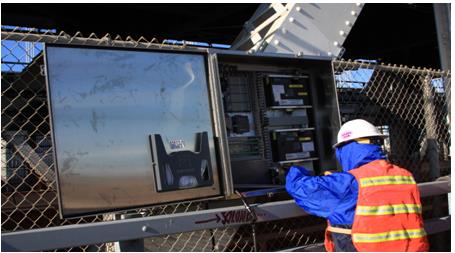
[[409, 103], [195, 222]]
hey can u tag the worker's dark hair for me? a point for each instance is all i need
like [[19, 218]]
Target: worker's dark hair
[[377, 140]]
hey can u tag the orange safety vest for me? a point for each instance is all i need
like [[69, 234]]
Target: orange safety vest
[[388, 215]]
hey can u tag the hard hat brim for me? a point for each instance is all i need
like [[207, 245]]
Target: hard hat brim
[[340, 143]]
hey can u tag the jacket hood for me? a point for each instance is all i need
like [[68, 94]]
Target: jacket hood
[[354, 155]]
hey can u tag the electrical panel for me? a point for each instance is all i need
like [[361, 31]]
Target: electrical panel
[[275, 111]]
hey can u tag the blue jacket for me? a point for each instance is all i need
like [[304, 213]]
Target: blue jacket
[[333, 197]]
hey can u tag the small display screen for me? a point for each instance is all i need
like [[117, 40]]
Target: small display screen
[[293, 145], [287, 91]]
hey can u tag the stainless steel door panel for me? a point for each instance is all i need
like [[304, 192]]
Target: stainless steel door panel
[[105, 104]]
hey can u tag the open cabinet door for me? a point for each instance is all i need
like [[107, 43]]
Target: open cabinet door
[[131, 128]]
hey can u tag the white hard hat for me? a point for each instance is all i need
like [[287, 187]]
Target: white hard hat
[[354, 129]]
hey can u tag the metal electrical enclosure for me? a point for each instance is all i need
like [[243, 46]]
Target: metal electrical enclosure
[[280, 110], [133, 128]]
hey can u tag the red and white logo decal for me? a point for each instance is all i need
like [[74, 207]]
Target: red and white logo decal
[[346, 135]]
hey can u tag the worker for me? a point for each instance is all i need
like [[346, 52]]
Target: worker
[[372, 205]]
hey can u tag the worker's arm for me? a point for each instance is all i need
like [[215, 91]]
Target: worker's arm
[[318, 195]]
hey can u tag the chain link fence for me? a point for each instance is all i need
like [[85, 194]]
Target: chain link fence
[[409, 104]]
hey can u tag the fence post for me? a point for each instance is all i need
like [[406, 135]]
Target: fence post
[[136, 245], [432, 151], [430, 127], [442, 20]]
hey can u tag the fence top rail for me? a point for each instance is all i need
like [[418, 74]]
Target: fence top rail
[[93, 40], [390, 67], [48, 36]]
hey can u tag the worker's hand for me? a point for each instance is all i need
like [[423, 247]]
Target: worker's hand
[[301, 169], [328, 172]]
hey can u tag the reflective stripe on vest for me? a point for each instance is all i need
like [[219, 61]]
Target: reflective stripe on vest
[[385, 180], [388, 209], [388, 236]]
